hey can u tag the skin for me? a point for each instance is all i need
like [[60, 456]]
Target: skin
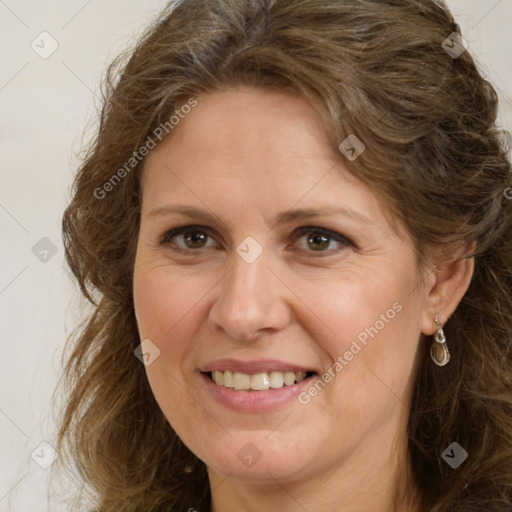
[[244, 156]]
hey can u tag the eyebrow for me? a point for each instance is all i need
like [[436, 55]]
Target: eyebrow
[[281, 218]]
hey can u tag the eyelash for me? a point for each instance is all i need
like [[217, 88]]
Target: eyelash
[[297, 234]]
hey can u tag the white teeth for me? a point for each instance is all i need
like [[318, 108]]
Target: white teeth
[[241, 381], [218, 377], [228, 379], [289, 378], [258, 381], [276, 379]]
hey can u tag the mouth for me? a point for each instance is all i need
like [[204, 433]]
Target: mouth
[[262, 381], [256, 385]]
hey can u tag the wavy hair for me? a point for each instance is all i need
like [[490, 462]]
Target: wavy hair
[[377, 69]]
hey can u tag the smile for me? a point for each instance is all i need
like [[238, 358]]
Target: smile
[[257, 382]]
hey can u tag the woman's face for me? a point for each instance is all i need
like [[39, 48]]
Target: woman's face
[[260, 257]]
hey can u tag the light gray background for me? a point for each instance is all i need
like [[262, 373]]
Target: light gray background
[[45, 105]]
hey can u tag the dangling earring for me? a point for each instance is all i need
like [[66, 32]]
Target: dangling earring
[[439, 350]]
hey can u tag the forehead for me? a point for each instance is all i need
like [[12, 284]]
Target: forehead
[[246, 127], [247, 147]]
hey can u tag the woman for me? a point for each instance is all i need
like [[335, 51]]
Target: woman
[[294, 231]]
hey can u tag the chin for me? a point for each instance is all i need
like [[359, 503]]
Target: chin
[[254, 458]]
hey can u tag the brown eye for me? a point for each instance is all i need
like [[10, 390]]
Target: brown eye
[[188, 238], [320, 240], [195, 239]]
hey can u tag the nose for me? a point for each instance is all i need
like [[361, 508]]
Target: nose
[[251, 301]]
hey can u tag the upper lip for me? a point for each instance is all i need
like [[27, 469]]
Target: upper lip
[[252, 367]]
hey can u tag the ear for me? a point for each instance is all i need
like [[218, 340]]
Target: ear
[[446, 286]]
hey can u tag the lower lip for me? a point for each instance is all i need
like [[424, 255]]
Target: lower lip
[[255, 401]]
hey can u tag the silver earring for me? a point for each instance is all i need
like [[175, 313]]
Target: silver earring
[[439, 350]]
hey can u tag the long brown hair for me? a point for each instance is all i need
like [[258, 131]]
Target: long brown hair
[[377, 69]]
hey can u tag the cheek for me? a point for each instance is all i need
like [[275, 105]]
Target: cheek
[[167, 309], [360, 304], [166, 312], [371, 321], [165, 301]]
